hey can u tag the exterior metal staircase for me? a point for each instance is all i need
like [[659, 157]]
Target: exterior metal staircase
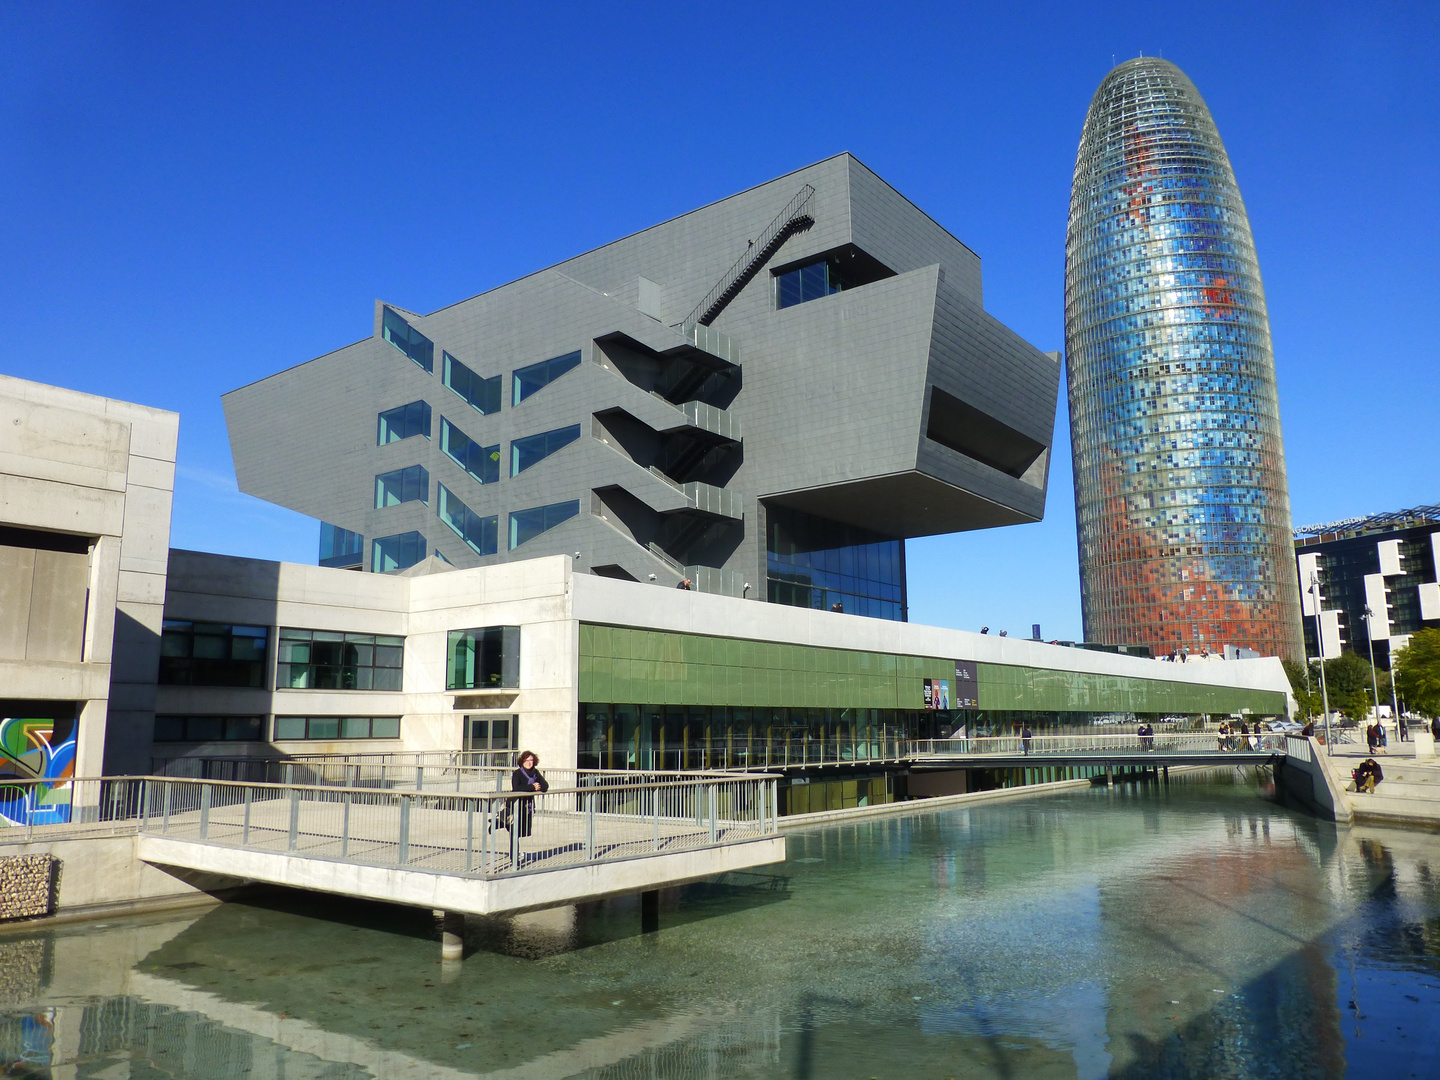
[[796, 217]]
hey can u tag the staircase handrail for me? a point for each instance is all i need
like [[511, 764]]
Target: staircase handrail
[[794, 216]]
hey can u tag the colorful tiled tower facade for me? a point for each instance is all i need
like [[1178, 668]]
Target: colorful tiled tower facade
[[1181, 500]]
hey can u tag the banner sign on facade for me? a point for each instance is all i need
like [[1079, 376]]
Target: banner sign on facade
[[967, 685], [937, 693]]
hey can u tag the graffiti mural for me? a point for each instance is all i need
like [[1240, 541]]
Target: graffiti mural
[[36, 749]]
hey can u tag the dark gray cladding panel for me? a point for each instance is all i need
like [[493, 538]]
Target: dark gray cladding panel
[[903, 505], [687, 255], [834, 389], [988, 366], [903, 237], [305, 438]]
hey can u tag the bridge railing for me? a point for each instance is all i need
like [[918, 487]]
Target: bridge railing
[[431, 773], [482, 834], [1173, 741], [66, 807]]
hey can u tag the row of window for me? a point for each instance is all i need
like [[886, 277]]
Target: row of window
[[483, 394], [481, 462], [481, 534], [224, 654], [332, 660], [287, 728]]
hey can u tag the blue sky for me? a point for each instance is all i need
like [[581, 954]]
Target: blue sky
[[196, 196]]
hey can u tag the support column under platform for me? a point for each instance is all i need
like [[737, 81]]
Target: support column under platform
[[452, 935], [649, 911]]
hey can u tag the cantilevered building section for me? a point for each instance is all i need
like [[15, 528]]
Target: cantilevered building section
[[1180, 490], [765, 396]]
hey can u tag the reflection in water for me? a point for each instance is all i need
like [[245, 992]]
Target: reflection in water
[[1195, 931]]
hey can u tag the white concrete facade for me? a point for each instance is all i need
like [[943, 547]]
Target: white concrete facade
[[85, 493], [549, 600]]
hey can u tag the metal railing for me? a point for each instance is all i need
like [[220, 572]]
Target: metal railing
[[793, 218], [401, 773], [757, 751], [1174, 741], [49, 809], [493, 834]]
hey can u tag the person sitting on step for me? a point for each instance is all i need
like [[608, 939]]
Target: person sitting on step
[[1368, 775]]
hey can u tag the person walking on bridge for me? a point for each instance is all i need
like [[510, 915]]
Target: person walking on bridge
[[527, 778], [1025, 736]]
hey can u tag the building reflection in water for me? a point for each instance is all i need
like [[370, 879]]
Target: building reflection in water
[[1051, 938]]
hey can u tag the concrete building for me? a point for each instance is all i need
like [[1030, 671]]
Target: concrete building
[[765, 396], [599, 673], [1181, 499], [85, 491], [1385, 563]]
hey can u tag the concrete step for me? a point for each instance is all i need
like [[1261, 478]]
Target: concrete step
[[1396, 807], [1398, 789]]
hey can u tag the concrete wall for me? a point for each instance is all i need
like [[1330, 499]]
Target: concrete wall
[[106, 872], [422, 608], [82, 466]]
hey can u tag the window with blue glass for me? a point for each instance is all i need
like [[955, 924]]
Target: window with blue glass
[[415, 345], [538, 376], [402, 486], [481, 462], [829, 566], [481, 394], [809, 282], [527, 451], [528, 524], [397, 552], [404, 422], [340, 547], [480, 533]]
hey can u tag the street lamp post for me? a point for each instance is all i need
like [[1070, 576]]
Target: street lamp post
[[1320, 645], [1394, 699], [1370, 640]]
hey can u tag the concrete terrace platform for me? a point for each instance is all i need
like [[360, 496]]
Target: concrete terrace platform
[[471, 895], [448, 860]]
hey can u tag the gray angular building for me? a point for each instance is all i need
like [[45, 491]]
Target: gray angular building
[[766, 396]]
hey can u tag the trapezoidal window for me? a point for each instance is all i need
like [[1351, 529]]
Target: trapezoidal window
[[538, 376], [481, 462], [404, 422], [528, 524], [483, 395], [533, 448], [415, 345]]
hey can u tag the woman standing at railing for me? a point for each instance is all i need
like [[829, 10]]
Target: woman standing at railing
[[527, 778]]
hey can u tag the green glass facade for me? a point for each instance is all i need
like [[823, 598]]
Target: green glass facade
[[651, 667]]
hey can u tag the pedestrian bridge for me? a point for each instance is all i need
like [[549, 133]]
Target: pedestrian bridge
[[1114, 751]]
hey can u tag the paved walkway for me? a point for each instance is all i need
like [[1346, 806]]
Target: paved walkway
[[1410, 792]]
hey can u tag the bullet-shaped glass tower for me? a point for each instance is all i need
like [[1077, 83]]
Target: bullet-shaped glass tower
[[1180, 493]]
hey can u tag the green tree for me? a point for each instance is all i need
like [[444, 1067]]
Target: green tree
[[1417, 672], [1305, 687], [1347, 678]]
